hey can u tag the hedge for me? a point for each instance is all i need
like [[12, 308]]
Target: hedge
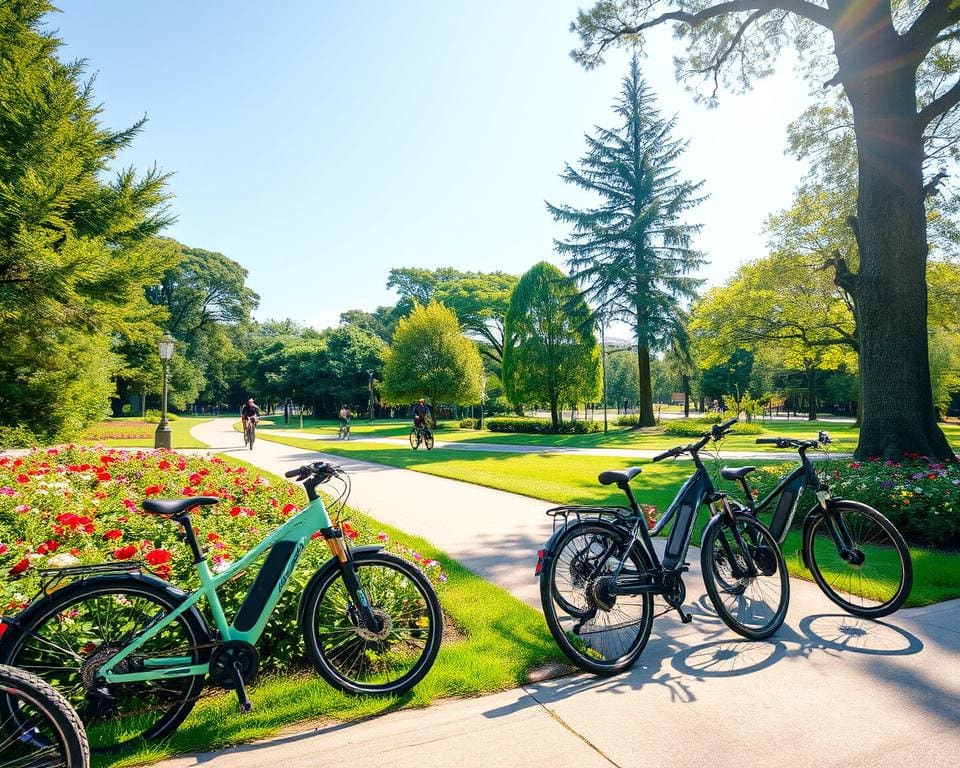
[[541, 426], [697, 427]]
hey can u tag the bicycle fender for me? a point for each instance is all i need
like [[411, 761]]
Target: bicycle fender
[[322, 572], [551, 545]]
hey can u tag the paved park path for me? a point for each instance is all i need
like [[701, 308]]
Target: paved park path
[[828, 690]]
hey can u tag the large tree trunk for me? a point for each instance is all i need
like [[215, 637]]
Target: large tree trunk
[[686, 396], [889, 289], [646, 417], [554, 414], [812, 393]]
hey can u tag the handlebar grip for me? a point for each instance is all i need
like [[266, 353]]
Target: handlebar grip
[[724, 427], [665, 455], [768, 440], [294, 472]]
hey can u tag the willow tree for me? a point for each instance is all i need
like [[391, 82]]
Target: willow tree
[[551, 354], [630, 252], [874, 50]]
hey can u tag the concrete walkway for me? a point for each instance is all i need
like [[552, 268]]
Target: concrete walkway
[[827, 690]]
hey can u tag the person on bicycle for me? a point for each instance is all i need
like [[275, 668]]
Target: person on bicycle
[[422, 414], [250, 411], [344, 418]]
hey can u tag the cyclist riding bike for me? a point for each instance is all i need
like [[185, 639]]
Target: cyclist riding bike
[[422, 414], [249, 413], [344, 422]]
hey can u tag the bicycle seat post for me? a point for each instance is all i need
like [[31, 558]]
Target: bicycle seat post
[[625, 487]]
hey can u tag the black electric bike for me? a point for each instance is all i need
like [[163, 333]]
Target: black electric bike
[[855, 554], [599, 571]]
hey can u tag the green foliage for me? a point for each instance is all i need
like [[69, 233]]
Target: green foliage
[[429, 357], [535, 426], [631, 252], [628, 420], [622, 378], [696, 428], [76, 246], [551, 354], [469, 423]]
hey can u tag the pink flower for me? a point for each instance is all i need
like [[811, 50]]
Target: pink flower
[[20, 567]]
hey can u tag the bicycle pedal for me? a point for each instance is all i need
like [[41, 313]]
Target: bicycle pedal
[[685, 618]]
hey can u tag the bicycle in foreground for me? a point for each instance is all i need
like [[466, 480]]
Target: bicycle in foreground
[[599, 571], [856, 555], [132, 652], [38, 727], [421, 434]]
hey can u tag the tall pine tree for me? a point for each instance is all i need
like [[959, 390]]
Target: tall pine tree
[[631, 252]]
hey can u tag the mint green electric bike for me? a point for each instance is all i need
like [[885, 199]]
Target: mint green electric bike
[[132, 652]]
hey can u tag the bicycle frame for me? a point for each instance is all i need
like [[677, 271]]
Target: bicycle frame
[[286, 544]]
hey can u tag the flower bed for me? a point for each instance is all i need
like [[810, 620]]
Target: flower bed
[[921, 499], [126, 429], [63, 507]]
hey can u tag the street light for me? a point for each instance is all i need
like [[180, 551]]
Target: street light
[[370, 387], [162, 437], [483, 395]]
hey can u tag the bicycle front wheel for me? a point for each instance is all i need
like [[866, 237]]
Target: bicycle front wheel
[[871, 573], [598, 630], [389, 659], [67, 637], [428, 439], [414, 439], [38, 728], [251, 436], [745, 575]]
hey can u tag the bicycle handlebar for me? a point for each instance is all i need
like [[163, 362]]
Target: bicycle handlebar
[[790, 442], [319, 469], [717, 431]]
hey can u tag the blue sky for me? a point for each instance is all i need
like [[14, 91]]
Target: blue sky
[[319, 144]]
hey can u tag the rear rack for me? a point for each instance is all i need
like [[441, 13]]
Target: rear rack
[[614, 513]]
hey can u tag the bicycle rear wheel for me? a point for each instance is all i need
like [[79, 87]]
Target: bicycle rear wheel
[[751, 601], [428, 439], [38, 728], [602, 633], [875, 577], [67, 637]]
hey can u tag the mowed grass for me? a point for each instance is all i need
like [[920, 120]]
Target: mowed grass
[[498, 641], [844, 435], [133, 432], [572, 479]]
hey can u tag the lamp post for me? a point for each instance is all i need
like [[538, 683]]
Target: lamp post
[[603, 366], [162, 437], [483, 395], [370, 388]]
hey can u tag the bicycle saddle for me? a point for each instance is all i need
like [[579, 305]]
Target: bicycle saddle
[[735, 473], [618, 476], [176, 506]]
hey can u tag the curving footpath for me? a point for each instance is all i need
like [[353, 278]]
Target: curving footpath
[[828, 690]]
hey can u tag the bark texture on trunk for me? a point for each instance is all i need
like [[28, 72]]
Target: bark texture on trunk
[[889, 289], [647, 418]]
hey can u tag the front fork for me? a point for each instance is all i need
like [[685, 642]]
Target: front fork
[[839, 532], [721, 506], [357, 594]]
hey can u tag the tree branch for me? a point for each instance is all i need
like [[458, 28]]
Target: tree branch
[[925, 32], [943, 103], [715, 67], [842, 276]]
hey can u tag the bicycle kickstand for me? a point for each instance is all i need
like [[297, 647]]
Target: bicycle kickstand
[[241, 689], [685, 618]]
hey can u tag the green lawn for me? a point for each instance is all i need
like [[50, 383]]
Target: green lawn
[[572, 479], [844, 435], [133, 432], [498, 641]]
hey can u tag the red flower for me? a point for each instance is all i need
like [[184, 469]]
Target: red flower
[[23, 479], [234, 511], [67, 518], [103, 476], [195, 479], [112, 534], [151, 490], [20, 567], [3, 548], [159, 557], [125, 553], [163, 464], [288, 508], [349, 532], [210, 537], [316, 535], [3, 628]]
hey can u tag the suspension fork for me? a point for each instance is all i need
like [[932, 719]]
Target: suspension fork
[[840, 533], [357, 594], [721, 506]]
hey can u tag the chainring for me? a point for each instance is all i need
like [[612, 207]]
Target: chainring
[[222, 660]]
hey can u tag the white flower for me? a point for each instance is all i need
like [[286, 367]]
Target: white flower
[[63, 560]]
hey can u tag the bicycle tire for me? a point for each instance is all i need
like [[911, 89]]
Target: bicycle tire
[[32, 649], [428, 439], [604, 652], [741, 600], [42, 730], [251, 436], [864, 589], [356, 661], [414, 438]]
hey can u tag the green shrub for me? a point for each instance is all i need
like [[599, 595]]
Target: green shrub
[[628, 420], [17, 437], [696, 428], [469, 423], [534, 426], [922, 500], [152, 416]]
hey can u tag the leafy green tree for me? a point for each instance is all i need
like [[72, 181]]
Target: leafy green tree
[[429, 357], [480, 301], [622, 382], [380, 322], [551, 354], [631, 252], [879, 52], [75, 245], [348, 357]]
